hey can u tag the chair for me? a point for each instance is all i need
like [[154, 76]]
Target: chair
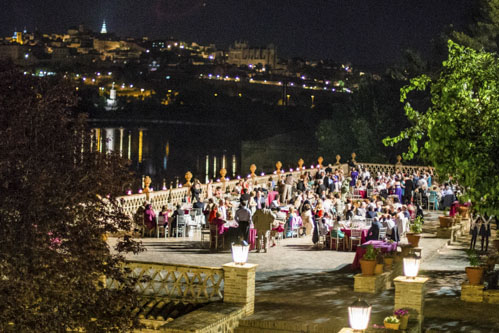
[[356, 194], [216, 240], [433, 200], [382, 233], [368, 223], [356, 236], [337, 241], [181, 227], [160, 226]]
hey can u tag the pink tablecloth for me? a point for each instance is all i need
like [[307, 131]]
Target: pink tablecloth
[[381, 245], [271, 197], [348, 233], [455, 206]]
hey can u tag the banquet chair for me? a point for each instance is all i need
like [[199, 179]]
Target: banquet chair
[[356, 194], [216, 240], [337, 241], [181, 227], [433, 200], [368, 223], [382, 233], [160, 226], [355, 237]]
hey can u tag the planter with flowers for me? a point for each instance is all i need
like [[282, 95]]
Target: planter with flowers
[[368, 261], [403, 316], [416, 228], [388, 260], [392, 323], [474, 271]]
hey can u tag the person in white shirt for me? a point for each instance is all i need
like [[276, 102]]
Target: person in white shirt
[[243, 218], [222, 210]]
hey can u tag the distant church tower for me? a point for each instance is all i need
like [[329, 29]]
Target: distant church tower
[[103, 30]]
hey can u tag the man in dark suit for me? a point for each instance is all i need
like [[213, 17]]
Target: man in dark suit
[[408, 192], [373, 233]]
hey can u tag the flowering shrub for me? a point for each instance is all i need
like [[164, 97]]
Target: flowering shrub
[[400, 312]]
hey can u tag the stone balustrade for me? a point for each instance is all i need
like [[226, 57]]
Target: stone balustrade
[[190, 284]]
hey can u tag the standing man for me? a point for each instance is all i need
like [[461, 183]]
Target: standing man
[[243, 218], [262, 221], [288, 188]]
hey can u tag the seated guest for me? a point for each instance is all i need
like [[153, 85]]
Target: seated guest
[[275, 203], [178, 212], [164, 213], [370, 214], [373, 233], [219, 223], [149, 217], [336, 230]]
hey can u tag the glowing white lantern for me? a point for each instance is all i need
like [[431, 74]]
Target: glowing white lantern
[[411, 266], [359, 314], [240, 252]]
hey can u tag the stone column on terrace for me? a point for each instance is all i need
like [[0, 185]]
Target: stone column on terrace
[[410, 294], [239, 285]]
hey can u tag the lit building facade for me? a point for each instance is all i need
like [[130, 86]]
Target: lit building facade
[[241, 54]]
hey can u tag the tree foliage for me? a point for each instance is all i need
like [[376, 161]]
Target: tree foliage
[[484, 32], [459, 132], [57, 200], [373, 113]]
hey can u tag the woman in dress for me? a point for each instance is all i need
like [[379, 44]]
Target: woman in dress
[[307, 219]]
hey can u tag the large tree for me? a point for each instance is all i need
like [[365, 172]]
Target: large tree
[[459, 132], [484, 32], [57, 200]]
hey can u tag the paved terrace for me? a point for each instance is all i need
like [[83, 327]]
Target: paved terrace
[[297, 283]]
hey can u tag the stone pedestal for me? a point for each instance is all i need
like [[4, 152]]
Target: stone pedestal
[[472, 293], [410, 294], [371, 283], [239, 285], [451, 233]]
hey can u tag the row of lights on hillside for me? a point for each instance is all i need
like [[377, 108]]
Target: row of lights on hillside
[[359, 313]]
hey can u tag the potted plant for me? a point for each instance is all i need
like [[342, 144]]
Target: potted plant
[[368, 261], [392, 323], [474, 271], [446, 221], [416, 228], [388, 260], [379, 264], [462, 209], [403, 316]]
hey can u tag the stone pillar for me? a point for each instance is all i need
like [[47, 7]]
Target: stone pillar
[[239, 285], [409, 294]]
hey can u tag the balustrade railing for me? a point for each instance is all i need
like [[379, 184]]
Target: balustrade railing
[[190, 284]]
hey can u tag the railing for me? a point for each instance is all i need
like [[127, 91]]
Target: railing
[[190, 284], [174, 196]]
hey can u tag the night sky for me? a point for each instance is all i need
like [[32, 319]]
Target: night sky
[[360, 31]]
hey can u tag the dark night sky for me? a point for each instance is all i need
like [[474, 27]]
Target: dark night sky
[[362, 31]]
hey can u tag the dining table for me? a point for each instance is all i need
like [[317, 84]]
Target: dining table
[[348, 234], [231, 234], [383, 246]]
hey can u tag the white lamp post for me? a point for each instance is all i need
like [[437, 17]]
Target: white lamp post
[[359, 314], [411, 266], [240, 252]]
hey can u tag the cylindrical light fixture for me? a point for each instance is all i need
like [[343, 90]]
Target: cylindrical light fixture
[[359, 314]]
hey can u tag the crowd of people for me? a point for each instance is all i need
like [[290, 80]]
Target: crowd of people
[[315, 203]]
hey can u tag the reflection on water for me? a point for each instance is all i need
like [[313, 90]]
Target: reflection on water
[[165, 152]]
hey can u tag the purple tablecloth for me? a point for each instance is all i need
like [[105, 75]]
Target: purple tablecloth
[[381, 245]]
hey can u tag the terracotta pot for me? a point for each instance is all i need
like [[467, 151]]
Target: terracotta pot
[[392, 326], [475, 275], [388, 263], [496, 244], [463, 211], [445, 221], [367, 266], [378, 269], [403, 322], [413, 239]]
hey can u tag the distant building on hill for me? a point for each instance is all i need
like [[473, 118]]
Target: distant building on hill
[[241, 54]]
